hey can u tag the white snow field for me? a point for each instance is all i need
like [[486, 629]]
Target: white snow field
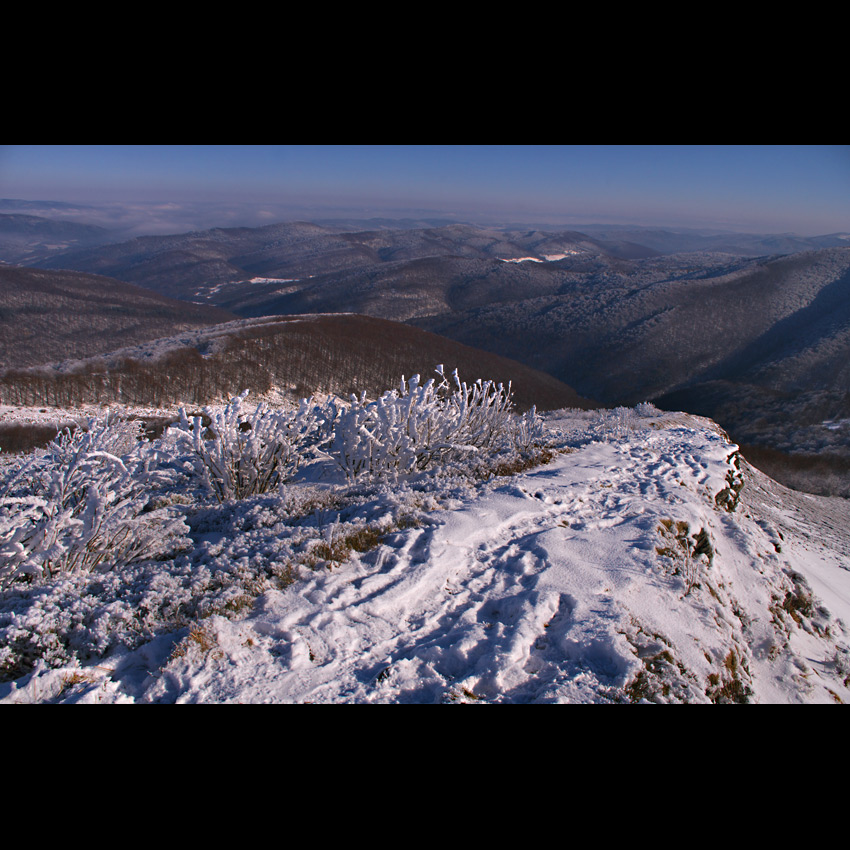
[[632, 568]]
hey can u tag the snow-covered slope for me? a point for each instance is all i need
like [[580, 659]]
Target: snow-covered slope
[[648, 563]]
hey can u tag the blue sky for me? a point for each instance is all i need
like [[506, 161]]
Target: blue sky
[[800, 188]]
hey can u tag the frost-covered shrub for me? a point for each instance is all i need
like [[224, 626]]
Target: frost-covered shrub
[[82, 505], [618, 423], [421, 424], [646, 410], [241, 454], [527, 431], [614, 424]]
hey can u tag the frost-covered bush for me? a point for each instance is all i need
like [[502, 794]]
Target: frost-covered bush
[[82, 505], [619, 422], [527, 431], [421, 424], [241, 454], [646, 410], [614, 424]]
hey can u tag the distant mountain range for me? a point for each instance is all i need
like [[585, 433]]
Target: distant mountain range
[[217, 265], [751, 330], [27, 238], [747, 244]]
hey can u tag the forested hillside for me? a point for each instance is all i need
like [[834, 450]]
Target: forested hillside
[[336, 354], [51, 316], [698, 321]]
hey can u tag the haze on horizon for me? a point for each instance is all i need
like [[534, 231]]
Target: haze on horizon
[[804, 189]]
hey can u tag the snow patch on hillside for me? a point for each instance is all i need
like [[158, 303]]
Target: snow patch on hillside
[[552, 258], [548, 258]]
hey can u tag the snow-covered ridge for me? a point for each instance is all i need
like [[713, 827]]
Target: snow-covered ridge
[[645, 563]]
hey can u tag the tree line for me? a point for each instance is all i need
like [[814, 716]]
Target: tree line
[[328, 354]]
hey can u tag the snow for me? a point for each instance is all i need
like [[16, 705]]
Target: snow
[[578, 581], [549, 258], [552, 258], [214, 290], [61, 417]]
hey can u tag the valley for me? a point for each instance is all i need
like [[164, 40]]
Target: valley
[[472, 466], [704, 322]]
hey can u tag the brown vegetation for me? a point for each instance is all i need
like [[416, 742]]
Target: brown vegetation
[[339, 354]]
